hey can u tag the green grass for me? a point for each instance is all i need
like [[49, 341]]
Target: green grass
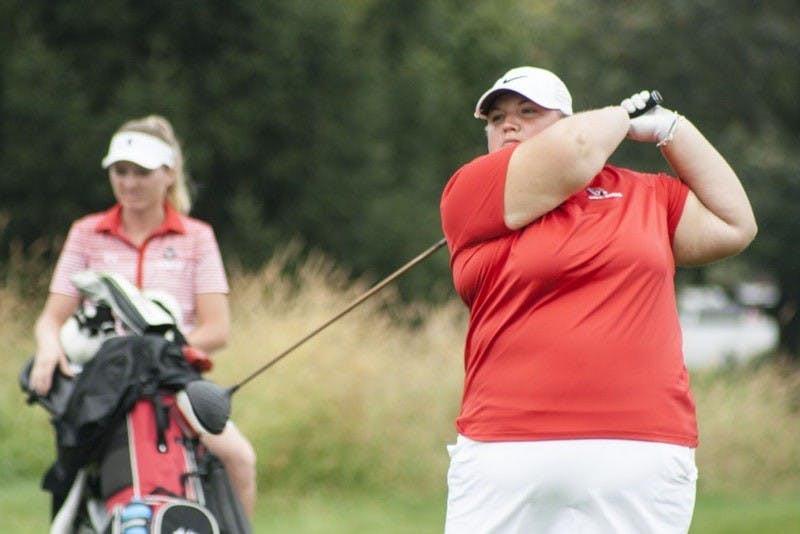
[[25, 508], [356, 420], [755, 514], [348, 513]]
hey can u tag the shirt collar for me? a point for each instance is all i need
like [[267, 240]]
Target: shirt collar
[[111, 221]]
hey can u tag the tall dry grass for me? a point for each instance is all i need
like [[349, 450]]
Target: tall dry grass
[[749, 429], [26, 443], [370, 402]]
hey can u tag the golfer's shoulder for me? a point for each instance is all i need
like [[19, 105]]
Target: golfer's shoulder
[[197, 230], [194, 225], [629, 178], [89, 223]]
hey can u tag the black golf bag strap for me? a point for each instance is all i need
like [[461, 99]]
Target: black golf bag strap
[[161, 420]]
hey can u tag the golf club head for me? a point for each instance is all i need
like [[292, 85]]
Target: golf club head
[[205, 406]]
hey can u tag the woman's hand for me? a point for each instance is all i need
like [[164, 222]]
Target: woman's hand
[[45, 362], [49, 353], [656, 125], [212, 322]]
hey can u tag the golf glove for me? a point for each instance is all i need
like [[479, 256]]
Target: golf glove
[[655, 126]]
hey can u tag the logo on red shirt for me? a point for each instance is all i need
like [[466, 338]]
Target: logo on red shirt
[[598, 193]]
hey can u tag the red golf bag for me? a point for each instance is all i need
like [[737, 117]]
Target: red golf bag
[[128, 453], [129, 459]]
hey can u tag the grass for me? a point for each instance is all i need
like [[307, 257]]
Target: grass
[[747, 514], [350, 428], [24, 509], [347, 513]]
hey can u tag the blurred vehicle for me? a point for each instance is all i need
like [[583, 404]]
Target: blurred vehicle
[[720, 330]]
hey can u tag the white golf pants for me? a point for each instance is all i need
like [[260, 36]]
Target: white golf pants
[[570, 486]]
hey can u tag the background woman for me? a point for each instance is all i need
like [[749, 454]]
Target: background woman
[[148, 237]]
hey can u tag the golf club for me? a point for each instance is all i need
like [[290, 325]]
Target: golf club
[[373, 290]]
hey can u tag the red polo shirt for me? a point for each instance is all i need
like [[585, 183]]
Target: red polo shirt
[[573, 328]]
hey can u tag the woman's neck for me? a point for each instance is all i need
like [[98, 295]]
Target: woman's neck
[[138, 225]]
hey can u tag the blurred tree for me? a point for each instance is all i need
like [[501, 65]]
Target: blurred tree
[[336, 124]]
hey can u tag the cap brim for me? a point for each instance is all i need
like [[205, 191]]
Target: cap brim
[[487, 99], [149, 164], [142, 149]]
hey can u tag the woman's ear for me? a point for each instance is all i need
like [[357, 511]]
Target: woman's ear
[[172, 176]]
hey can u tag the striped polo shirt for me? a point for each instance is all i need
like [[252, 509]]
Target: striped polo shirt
[[181, 257]]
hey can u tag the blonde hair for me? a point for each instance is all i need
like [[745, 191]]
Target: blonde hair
[[178, 193]]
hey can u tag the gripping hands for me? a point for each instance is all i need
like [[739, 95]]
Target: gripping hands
[[654, 125]]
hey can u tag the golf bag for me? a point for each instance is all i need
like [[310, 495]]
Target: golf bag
[[129, 458]]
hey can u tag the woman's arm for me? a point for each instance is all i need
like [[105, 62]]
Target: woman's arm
[[717, 219], [49, 353], [212, 326], [559, 161]]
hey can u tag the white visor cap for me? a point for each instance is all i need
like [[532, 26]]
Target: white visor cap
[[142, 149], [538, 85]]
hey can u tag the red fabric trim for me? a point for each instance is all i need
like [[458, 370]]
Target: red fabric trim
[[112, 222]]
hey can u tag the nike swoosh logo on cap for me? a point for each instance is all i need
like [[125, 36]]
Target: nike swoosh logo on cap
[[506, 80]]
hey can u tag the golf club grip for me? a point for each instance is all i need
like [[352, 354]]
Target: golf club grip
[[654, 100]]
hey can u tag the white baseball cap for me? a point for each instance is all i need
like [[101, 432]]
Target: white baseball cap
[[140, 148], [535, 84]]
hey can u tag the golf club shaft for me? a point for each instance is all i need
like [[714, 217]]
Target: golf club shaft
[[377, 287]]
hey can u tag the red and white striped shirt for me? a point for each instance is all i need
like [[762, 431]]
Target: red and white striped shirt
[[182, 257]]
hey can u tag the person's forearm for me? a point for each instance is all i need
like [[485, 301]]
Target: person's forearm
[[596, 137], [49, 353], [581, 144], [213, 321], [703, 169], [208, 339], [560, 161], [46, 334]]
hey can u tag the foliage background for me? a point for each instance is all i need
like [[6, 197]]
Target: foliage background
[[336, 124]]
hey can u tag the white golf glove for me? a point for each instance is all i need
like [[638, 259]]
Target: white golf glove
[[657, 125]]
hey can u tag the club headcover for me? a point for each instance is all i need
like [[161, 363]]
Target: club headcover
[[205, 406], [85, 331]]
